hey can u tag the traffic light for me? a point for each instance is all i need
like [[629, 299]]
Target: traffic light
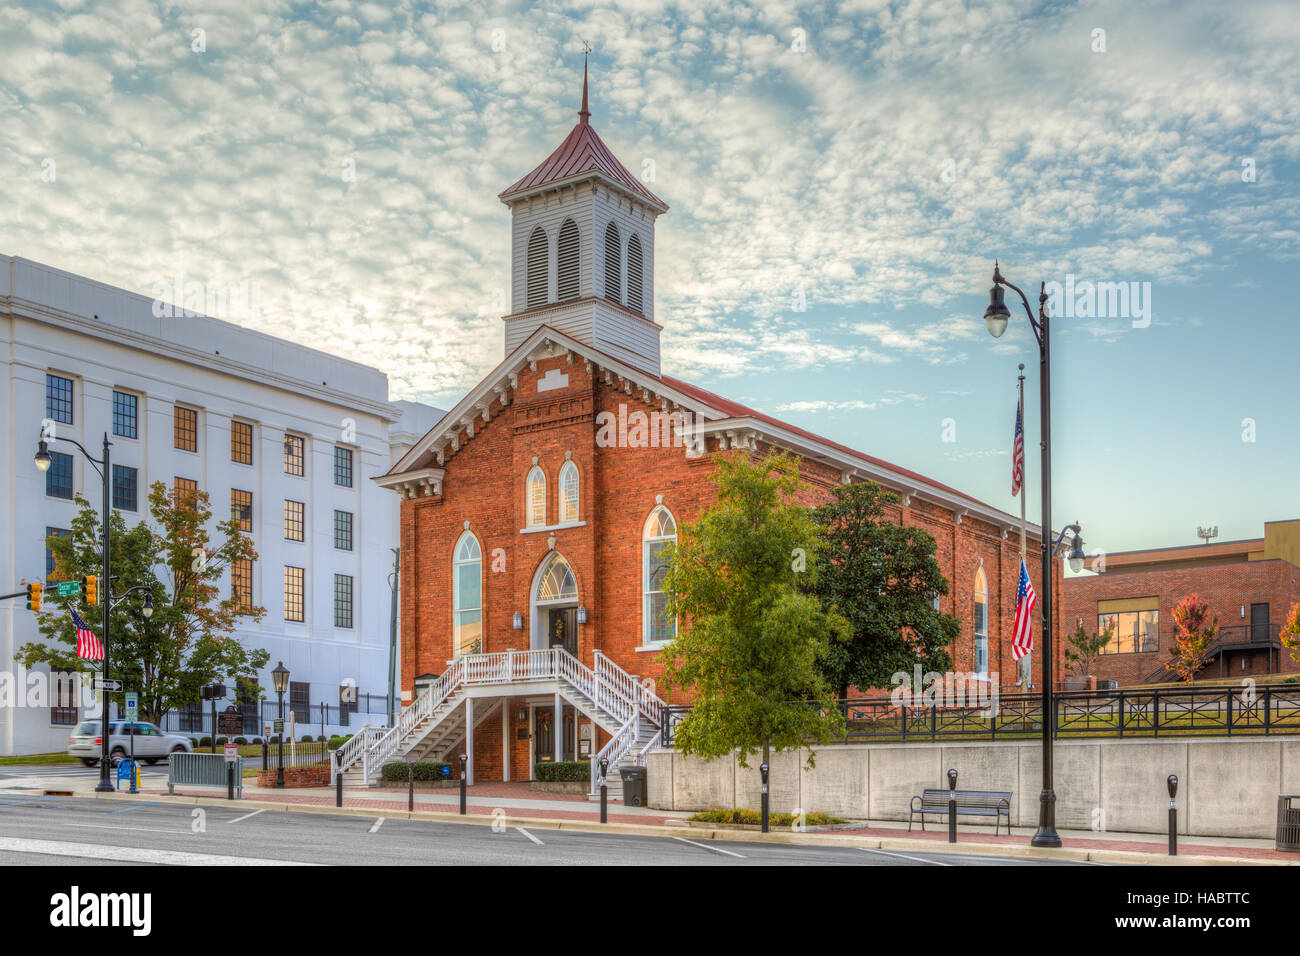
[[34, 597], [90, 589]]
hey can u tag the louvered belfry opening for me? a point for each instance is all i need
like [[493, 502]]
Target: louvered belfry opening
[[567, 285], [634, 276], [537, 268], [613, 265]]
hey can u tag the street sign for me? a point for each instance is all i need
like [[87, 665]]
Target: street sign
[[231, 752], [132, 706], [102, 684], [69, 588], [277, 725], [230, 722]]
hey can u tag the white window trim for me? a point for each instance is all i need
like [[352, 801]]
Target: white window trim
[[646, 541], [566, 469], [553, 527], [456, 609], [536, 470]]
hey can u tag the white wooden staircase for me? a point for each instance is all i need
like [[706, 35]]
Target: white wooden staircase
[[435, 721]]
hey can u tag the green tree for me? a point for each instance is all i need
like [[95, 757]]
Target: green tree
[[752, 640], [883, 578], [188, 641], [1082, 649]]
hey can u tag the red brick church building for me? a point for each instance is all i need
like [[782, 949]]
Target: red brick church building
[[535, 513]]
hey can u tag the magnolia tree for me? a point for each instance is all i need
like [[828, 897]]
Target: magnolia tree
[[188, 642], [1290, 633], [752, 641], [1194, 632]]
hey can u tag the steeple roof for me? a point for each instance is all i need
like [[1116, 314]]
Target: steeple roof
[[583, 152]]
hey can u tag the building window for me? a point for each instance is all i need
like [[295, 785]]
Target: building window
[[241, 508], [658, 538], [343, 530], [51, 564], [185, 428], [125, 481], [293, 520], [293, 593], [126, 411], [613, 264], [556, 582], [294, 454], [241, 443], [981, 618], [241, 582], [247, 695], [63, 708], [184, 491], [536, 286], [300, 702], [1136, 632], [58, 480], [635, 276], [467, 596], [536, 506], [343, 467], [569, 492], [342, 600], [58, 398], [567, 271]]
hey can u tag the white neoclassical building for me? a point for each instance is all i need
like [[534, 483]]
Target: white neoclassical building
[[285, 436]]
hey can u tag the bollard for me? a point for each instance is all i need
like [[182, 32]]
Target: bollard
[[604, 791], [230, 780], [338, 780], [1172, 782], [762, 769], [410, 784], [462, 784], [266, 751], [952, 806]]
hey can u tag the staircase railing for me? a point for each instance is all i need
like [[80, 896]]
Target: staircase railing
[[420, 710], [614, 751], [356, 745]]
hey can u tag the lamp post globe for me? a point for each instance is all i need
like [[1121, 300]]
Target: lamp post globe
[[1076, 553], [997, 315], [281, 677], [42, 457], [147, 610]]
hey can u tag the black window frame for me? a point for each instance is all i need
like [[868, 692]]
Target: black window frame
[[295, 524], [61, 466], [49, 554], [238, 445], [236, 510], [126, 424], [59, 396], [295, 463], [126, 479], [343, 461], [343, 530], [295, 601], [343, 600]]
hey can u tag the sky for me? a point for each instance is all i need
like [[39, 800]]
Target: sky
[[841, 179]]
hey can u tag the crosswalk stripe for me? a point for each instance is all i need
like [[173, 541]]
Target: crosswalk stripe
[[131, 854]]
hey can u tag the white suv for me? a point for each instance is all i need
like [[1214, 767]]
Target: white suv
[[151, 744]]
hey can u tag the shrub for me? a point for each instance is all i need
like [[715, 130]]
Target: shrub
[[755, 818], [563, 770], [221, 741], [306, 739], [194, 743], [320, 738], [422, 770], [205, 741], [241, 741]]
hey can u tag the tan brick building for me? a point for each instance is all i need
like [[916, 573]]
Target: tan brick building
[[1249, 585], [535, 513]]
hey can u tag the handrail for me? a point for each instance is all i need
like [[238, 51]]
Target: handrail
[[614, 751]]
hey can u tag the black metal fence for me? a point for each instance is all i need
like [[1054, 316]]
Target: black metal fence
[[315, 719], [1108, 714]]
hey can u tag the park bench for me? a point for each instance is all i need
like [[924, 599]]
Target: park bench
[[976, 803]]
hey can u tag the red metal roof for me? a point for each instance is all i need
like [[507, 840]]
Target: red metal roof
[[581, 152]]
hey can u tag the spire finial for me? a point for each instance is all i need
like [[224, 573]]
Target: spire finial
[[584, 114]]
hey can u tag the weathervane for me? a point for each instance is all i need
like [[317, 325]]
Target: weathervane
[[1207, 533]]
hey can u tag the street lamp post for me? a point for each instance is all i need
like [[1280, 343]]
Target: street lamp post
[[42, 462], [281, 678], [996, 317]]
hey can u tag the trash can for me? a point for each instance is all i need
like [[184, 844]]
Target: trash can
[[1288, 822], [634, 786]]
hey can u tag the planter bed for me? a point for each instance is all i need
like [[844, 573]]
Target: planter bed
[[560, 786]]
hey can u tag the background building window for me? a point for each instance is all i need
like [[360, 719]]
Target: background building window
[[294, 454], [613, 264], [658, 538], [343, 467], [981, 623], [536, 490], [467, 599], [567, 271], [184, 491], [58, 480], [63, 707], [125, 481], [50, 564], [293, 593], [241, 582], [538, 279], [185, 429], [635, 276], [1136, 632], [300, 702], [58, 398], [241, 508], [343, 530], [126, 410], [569, 492], [342, 600], [241, 443], [293, 520]]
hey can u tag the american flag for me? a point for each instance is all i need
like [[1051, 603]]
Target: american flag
[[1018, 453], [1022, 633], [88, 645]]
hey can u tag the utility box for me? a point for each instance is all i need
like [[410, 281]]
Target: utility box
[[1288, 822], [634, 786]]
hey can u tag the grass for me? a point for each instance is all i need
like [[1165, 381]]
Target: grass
[[23, 760], [754, 818]]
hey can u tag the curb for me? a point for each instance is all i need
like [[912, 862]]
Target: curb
[[898, 844]]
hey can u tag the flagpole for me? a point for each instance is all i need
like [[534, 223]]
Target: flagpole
[[1026, 662]]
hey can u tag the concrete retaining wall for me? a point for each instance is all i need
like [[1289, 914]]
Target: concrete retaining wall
[[1226, 787]]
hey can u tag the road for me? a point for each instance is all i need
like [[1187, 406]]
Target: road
[[79, 831]]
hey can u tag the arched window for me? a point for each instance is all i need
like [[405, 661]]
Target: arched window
[[467, 596], [659, 536], [556, 582], [537, 261], [567, 262], [981, 622], [536, 501], [569, 492], [613, 264], [635, 279]]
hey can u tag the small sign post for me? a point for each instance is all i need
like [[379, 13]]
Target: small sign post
[[132, 710], [231, 752]]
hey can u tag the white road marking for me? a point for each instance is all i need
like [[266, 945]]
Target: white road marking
[[705, 846], [379, 822], [904, 856], [247, 815], [530, 836], [132, 854], [106, 826]]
